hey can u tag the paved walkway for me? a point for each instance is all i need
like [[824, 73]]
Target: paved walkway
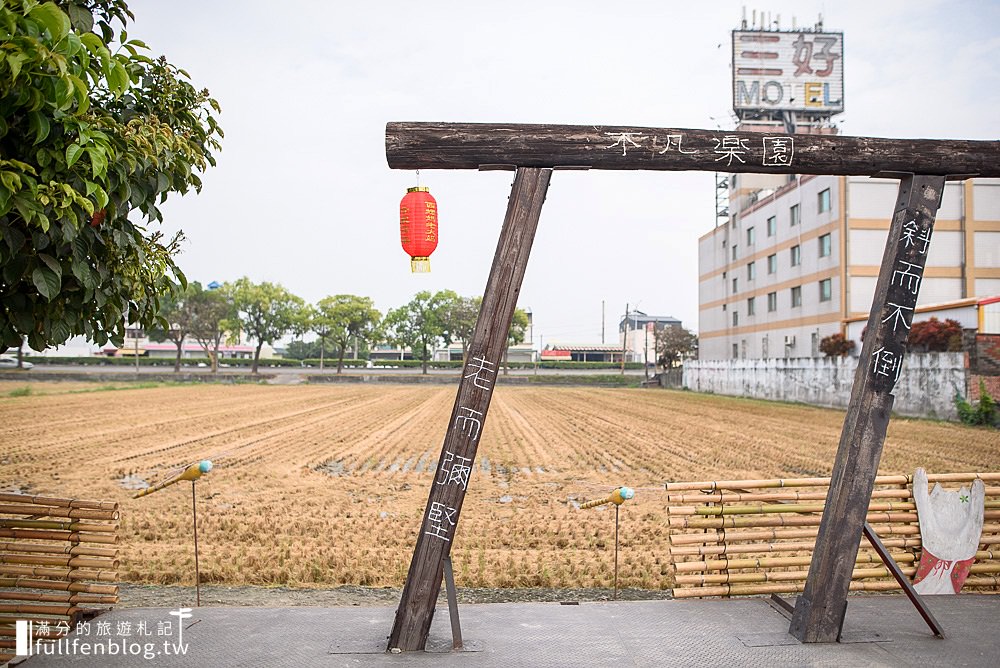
[[879, 631]]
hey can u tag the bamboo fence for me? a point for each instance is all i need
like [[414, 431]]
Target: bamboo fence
[[749, 537], [58, 561]]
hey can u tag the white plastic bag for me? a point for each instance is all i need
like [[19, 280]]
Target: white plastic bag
[[951, 524]]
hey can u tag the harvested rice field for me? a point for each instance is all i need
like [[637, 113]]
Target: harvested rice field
[[325, 485]]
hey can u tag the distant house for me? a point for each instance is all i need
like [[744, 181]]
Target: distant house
[[636, 331]]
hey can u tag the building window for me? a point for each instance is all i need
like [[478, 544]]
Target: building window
[[723, 308], [751, 236], [772, 263], [794, 212], [735, 284], [751, 306], [825, 290], [764, 347], [823, 203], [734, 251], [751, 271], [772, 226], [797, 296], [796, 256], [824, 245], [736, 318], [736, 351], [772, 302]]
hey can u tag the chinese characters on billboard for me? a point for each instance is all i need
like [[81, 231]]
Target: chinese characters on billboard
[[788, 71]]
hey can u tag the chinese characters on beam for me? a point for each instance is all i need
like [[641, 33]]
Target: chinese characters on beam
[[455, 468], [768, 152], [904, 286]]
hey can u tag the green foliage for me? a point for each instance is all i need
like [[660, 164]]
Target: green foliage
[[92, 130], [342, 318], [302, 350], [983, 412], [459, 314], [673, 344], [264, 311], [836, 345], [420, 324], [207, 315], [20, 392]]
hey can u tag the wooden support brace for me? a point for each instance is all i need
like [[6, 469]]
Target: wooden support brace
[[458, 454], [819, 612]]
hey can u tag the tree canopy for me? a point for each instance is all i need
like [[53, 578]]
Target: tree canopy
[[346, 317], [674, 344], [419, 324], [264, 311], [94, 136]]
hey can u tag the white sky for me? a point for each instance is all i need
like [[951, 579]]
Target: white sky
[[302, 194]]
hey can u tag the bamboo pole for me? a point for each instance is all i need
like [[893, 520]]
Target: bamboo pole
[[46, 511], [30, 609], [9, 523], [52, 634], [774, 588], [782, 562], [712, 485], [52, 560], [790, 495], [780, 576], [61, 573], [75, 550], [38, 619], [752, 548], [62, 585], [55, 501], [765, 508], [777, 520], [100, 599], [773, 534], [70, 536]]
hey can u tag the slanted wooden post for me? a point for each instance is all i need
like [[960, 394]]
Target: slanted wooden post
[[458, 454], [819, 611]]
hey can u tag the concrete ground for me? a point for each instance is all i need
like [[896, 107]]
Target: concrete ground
[[879, 631]]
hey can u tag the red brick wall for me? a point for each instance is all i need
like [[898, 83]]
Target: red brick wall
[[992, 384]]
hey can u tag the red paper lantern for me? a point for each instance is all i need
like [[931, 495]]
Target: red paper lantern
[[418, 227]]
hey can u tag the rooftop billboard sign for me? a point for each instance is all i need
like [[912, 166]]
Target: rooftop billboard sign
[[788, 71]]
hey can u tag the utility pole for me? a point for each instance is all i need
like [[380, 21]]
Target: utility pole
[[645, 350], [624, 337], [602, 322]]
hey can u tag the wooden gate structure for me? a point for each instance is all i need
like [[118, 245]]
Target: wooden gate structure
[[533, 152]]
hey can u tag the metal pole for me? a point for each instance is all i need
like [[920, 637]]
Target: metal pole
[[197, 571], [616, 552]]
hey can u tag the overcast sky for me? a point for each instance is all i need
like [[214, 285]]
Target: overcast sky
[[302, 194]]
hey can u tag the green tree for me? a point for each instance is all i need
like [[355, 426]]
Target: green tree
[[674, 344], [303, 350], [460, 314], [92, 131], [265, 312], [346, 317], [419, 325], [515, 335], [210, 315], [175, 319]]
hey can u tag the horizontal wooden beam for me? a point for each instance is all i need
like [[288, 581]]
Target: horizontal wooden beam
[[492, 146]]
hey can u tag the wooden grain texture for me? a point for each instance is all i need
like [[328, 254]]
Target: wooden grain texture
[[475, 145], [485, 353], [819, 612]]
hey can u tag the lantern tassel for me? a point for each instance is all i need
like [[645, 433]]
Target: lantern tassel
[[420, 265]]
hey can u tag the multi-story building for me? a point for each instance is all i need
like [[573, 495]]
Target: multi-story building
[[799, 256]]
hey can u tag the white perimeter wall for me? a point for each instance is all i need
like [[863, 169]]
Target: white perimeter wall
[[926, 386]]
